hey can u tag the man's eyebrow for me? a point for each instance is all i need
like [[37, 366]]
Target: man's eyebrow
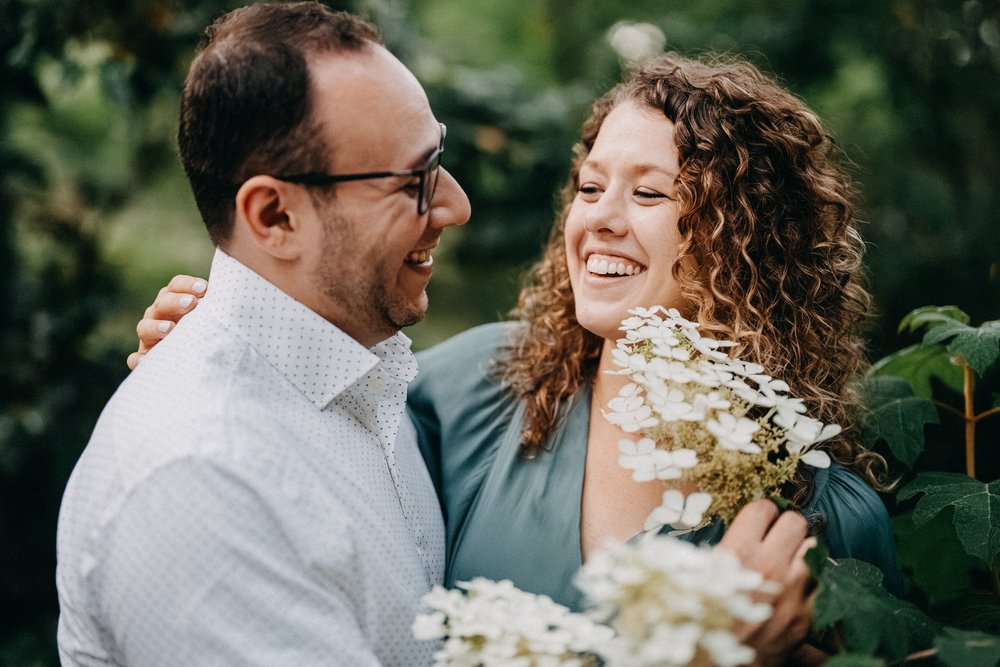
[[422, 160]]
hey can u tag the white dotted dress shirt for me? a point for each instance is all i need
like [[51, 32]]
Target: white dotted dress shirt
[[245, 499]]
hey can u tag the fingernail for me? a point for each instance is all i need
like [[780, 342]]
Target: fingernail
[[198, 287], [186, 300], [163, 327]]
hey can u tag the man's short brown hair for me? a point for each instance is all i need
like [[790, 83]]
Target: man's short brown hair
[[247, 102]]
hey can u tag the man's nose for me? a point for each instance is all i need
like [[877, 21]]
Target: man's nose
[[450, 205]]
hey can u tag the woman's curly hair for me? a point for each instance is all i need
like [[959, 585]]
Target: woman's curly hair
[[769, 254]]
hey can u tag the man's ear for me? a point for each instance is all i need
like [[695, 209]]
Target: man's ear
[[270, 213]]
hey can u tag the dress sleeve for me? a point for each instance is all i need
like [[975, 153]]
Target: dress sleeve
[[455, 397], [856, 522], [460, 408]]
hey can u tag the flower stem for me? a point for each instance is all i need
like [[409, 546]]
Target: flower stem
[[920, 655], [970, 422], [987, 413], [947, 408]]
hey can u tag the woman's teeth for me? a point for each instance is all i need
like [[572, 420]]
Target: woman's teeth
[[604, 266], [420, 258]]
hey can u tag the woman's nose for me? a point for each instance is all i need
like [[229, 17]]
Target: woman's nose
[[606, 215]]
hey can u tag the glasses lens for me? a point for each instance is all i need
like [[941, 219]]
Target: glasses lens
[[430, 183]]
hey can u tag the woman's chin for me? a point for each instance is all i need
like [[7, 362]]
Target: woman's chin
[[605, 325]]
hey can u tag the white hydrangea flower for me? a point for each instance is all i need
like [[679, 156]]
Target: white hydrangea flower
[[687, 393], [733, 433], [725, 649], [634, 453], [647, 462], [679, 511], [672, 603], [495, 623]]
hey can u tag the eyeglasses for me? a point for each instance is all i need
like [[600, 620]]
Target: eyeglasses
[[428, 175]]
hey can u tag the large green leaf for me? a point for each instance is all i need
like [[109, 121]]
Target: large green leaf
[[977, 509], [960, 648], [918, 365], [979, 346], [932, 316], [933, 556], [896, 416], [872, 620], [977, 610]]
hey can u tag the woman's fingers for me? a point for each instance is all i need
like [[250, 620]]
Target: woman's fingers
[[775, 546], [173, 302], [188, 285], [152, 332], [170, 306], [133, 360]]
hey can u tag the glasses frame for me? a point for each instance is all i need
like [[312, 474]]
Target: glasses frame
[[428, 175]]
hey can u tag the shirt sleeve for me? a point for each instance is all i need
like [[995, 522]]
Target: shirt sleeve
[[202, 568]]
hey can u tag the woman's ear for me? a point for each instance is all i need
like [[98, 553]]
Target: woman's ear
[[269, 212]]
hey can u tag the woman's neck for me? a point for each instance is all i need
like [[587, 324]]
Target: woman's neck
[[613, 506], [606, 385]]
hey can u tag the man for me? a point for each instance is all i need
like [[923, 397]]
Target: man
[[251, 494]]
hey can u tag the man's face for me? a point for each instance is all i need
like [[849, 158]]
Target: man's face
[[372, 259]]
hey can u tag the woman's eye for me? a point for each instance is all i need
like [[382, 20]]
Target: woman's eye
[[589, 190], [643, 193]]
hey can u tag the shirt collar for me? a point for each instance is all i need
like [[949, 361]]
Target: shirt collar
[[314, 355]]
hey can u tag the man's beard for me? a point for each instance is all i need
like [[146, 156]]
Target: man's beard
[[371, 301]]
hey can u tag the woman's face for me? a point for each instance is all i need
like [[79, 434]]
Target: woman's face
[[621, 232]]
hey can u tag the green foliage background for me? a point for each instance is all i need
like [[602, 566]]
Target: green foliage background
[[95, 214]]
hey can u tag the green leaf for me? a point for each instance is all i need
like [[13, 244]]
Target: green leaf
[[896, 416], [933, 556], [979, 346], [918, 365], [931, 316], [961, 648], [976, 610], [817, 559], [854, 660], [977, 509], [872, 620]]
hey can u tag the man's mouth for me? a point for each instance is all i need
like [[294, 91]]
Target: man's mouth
[[420, 258], [610, 265]]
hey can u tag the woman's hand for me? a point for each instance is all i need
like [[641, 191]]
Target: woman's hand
[[173, 302], [775, 545]]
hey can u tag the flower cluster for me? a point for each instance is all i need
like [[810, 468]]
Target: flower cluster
[[672, 603], [494, 623], [707, 420]]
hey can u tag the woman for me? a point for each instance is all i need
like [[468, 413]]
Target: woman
[[701, 186], [704, 187]]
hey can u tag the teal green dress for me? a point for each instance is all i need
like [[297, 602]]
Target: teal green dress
[[510, 517]]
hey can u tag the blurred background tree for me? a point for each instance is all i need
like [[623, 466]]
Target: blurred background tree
[[95, 214]]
